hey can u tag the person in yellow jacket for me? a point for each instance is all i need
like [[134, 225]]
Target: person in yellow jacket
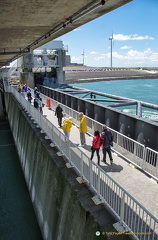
[[82, 128], [66, 126]]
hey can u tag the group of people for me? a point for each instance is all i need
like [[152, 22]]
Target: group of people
[[26, 92], [23, 89], [104, 140], [38, 103]]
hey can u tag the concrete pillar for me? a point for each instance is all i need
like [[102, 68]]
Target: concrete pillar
[[27, 78], [61, 63]]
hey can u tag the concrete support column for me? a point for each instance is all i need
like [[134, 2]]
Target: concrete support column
[[61, 63], [60, 76], [27, 78]]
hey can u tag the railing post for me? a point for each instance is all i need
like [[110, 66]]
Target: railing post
[[98, 187], [82, 165], [69, 153], [122, 208], [90, 173], [134, 151], [144, 158]]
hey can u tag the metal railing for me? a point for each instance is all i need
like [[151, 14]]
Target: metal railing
[[133, 151], [140, 223]]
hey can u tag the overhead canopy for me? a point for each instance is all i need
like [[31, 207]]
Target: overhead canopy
[[28, 24]]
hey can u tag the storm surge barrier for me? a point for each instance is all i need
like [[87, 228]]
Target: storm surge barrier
[[130, 214]]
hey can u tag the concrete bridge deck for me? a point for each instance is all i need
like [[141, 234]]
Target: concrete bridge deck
[[135, 182]]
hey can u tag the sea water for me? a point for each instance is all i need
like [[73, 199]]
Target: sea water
[[141, 89]]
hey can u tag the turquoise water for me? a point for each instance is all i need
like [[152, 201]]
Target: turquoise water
[[142, 89]]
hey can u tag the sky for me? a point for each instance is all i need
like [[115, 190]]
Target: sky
[[135, 31]]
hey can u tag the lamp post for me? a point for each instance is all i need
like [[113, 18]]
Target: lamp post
[[111, 38]]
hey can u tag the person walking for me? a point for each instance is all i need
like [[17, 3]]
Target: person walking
[[35, 103], [82, 129], [66, 126], [96, 144], [107, 140], [59, 114], [40, 105], [29, 96]]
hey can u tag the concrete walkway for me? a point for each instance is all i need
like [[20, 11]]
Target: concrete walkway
[[138, 184]]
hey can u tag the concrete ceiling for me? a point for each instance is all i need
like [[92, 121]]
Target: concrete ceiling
[[28, 24]]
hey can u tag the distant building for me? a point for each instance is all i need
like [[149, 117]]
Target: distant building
[[68, 62], [44, 65]]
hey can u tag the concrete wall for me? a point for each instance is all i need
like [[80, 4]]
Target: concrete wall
[[137, 128], [64, 207], [1, 105]]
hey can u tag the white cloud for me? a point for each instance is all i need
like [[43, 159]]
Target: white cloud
[[121, 37], [125, 47], [133, 55], [132, 58], [75, 59], [99, 58], [77, 29], [93, 52]]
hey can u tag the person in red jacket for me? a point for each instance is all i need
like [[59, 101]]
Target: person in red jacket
[[96, 144]]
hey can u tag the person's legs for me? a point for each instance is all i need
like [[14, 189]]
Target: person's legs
[[110, 155], [104, 154], [97, 151], [60, 121], [93, 151], [82, 138]]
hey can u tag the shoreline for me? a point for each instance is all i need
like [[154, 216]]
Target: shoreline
[[86, 80], [89, 74]]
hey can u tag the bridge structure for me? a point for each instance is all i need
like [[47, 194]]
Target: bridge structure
[[25, 26], [122, 187]]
